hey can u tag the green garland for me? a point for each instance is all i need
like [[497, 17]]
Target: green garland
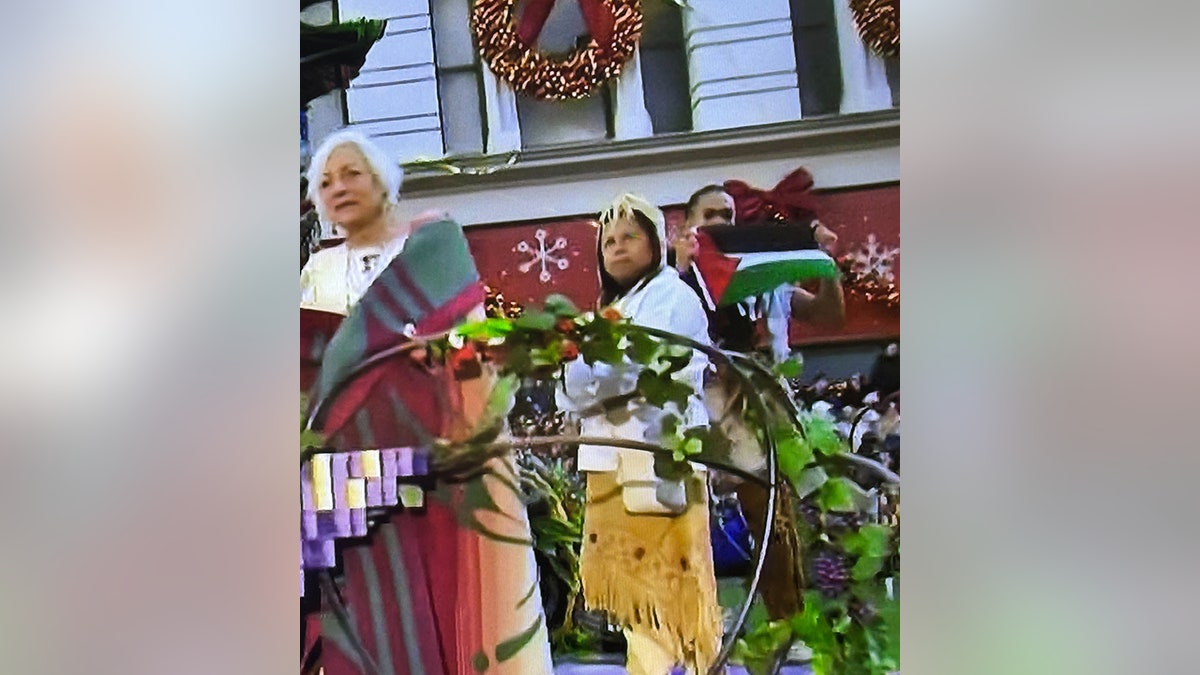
[[851, 631], [848, 619]]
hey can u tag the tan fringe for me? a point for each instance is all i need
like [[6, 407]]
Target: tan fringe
[[635, 571]]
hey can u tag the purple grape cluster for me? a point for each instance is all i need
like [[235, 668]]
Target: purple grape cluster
[[830, 573]]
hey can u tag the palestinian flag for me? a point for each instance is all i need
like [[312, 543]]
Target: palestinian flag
[[430, 287], [742, 261]]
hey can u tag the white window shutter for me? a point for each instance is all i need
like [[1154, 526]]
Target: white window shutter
[[632, 120], [503, 125]]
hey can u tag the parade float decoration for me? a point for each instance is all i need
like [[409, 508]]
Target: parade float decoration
[[823, 564], [509, 46]]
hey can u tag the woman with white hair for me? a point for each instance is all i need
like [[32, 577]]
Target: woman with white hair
[[427, 594], [646, 557], [354, 186]]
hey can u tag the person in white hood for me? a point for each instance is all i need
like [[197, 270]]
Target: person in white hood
[[646, 557]]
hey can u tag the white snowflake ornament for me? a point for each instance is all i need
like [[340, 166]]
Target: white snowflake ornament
[[874, 258], [543, 256]]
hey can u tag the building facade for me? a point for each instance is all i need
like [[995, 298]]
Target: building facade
[[717, 90]]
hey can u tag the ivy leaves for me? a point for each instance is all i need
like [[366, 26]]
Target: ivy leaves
[[821, 435], [837, 494], [852, 631], [800, 463], [872, 545], [795, 453], [842, 642], [684, 445]]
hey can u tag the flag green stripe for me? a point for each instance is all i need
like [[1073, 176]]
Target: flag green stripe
[[764, 277], [362, 422], [400, 292], [405, 417], [331, 630]]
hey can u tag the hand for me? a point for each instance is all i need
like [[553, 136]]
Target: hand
[[825, 237], [686, 246]]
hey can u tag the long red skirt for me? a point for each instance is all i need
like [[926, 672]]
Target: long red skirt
[[448, 589]]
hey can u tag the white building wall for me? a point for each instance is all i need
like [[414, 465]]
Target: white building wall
[[741, 63], [395, 97]]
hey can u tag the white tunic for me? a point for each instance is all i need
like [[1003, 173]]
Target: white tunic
[[335, 279], [667, 303]]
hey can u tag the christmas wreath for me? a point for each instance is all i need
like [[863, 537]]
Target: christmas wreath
[[878, 24], [508, 46]]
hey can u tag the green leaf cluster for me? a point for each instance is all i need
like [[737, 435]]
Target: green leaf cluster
[[854, 633]]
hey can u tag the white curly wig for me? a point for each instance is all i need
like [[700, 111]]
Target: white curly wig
[[388, 172]]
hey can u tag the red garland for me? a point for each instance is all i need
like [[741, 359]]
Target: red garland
[[870, 286]]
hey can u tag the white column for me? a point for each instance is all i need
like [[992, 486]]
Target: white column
[[395, 97], [864, 77], [742, 63]]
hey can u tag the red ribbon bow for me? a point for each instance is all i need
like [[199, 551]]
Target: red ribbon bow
[[598, 17], [790, 199]]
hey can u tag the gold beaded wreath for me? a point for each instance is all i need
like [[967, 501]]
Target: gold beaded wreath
[[878, 23], [535, 74]]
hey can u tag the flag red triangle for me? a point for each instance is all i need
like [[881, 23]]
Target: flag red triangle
[[716, 267]]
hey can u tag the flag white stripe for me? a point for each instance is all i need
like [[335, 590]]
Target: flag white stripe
[[765, 257]]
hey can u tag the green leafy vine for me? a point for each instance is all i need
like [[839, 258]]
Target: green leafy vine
[[848, 617]]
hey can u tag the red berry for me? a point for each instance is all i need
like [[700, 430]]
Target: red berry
[[611, 314]]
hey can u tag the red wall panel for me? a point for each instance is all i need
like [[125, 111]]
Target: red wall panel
[[510, 259], [855, 215]]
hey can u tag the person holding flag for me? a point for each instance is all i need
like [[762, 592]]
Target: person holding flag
[[748, 278], [734, 324]]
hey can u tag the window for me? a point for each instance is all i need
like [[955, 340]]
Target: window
[[665, 68], [543, 123], [460, 90], [818, 64], [893, 77], [557, 122], [836, 73]]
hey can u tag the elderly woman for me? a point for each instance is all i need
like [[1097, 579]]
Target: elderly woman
[[647, 556], [353, 186], [427, 594]]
